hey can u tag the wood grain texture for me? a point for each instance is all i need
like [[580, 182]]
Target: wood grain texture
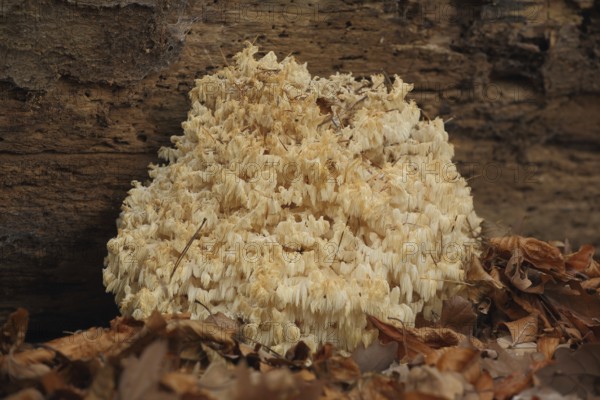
[[89, 90]]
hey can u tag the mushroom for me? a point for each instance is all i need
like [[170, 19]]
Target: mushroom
[[321, 201]]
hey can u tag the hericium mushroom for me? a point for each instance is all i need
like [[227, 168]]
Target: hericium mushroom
[[321, 201]]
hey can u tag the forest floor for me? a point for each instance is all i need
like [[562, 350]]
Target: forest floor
[[527, 327]]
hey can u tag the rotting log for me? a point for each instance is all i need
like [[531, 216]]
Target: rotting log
[[89, 90]]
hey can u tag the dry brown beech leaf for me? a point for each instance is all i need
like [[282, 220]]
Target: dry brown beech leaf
[[415, 341], [547, 345], [591, 284], [52, 381], [583, 261], [223, 321], [180, 382], [141, 375], [518, 381], [464, 360], [509, 386], [532, 304], [103, 385], [12, 334], [593, 271], [479, 282], [541, 255], [515, 273], [93, 341], [523, 330], [442, 337], [420, 396], [574, 303], [22, 368], [377, 386], [26, 394], [335, 367], [409, 346], [485, 386], [431, 381], [199, 330], [458, 314], [376, 357], [574, 372]]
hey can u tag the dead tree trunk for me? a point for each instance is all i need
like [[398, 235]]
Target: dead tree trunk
[[89, 90]]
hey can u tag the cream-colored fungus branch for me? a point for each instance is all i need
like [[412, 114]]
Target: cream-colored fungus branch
[[325, 200]]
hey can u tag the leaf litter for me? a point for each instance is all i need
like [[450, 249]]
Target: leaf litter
[[526, 327]]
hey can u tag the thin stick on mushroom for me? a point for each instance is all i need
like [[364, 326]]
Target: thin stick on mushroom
[[187, 246]]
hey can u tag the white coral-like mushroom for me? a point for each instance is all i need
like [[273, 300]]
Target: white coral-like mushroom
[[324, 200]]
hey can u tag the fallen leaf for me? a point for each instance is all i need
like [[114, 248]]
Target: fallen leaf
[[478, 281], [443, 337], [547, 345], [93, 341], [485, 386], [224, 322], [377, 386], [154, 326], [420, 396], [52, 381], [13, 331], [218, 378], [103, 385], [191, 330], [26, 394], [430, 381], [591, 284], [523, 330], [463, 360], [334, 367], [305, 375], [583, 261], [179, 382], [576, 306], [332, 393], [517, 381], [458, 314], [275, 384], [502, 363], [543, 393], [415, 341], [531, 304], [298, 353], [539, 254], [515, 273], [141, 376], [22, 368], [484, 306], [573, 372], [593, 271], [377, 357], [511, 385], [408, 345]]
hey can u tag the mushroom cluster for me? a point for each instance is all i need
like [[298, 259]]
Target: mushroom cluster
[[320, 201]]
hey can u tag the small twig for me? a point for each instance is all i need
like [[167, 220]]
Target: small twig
[[282, 143], [206, 308], [387, 79], [223, 55], [187, 246], [448, 281], [404, 336], [339, 243], [270, 350], [357, 102]]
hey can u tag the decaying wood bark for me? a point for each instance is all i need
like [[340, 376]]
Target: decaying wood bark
[[89, 90]]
